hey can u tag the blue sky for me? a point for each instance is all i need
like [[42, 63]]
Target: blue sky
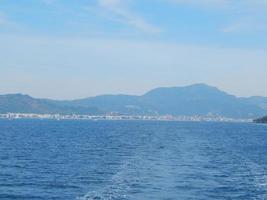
[[67, 49]]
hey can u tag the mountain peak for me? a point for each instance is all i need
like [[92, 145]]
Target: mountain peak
[[199, 89], [199, 85]]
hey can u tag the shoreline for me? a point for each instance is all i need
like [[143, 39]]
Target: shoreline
[[14, 116]]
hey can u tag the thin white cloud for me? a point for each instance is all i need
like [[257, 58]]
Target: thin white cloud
[[247, 15], [234, 27], [200, 2], [5, 23], [3, 20], [230, 3], [256, 2], [244, 26], [251, 16], [119, 11], [238, 6], [48, 2]]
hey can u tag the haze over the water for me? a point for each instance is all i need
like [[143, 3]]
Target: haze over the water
[[71, 49]]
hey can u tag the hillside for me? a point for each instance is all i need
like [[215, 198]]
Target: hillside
[[256, 100], [199, 99], [19, 103]]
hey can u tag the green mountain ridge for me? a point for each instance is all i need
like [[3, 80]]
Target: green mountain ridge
[[19, 103], [198, 99]]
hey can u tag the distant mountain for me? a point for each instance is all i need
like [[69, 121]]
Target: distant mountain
[[256, 100], [198, 99], [19, 103]]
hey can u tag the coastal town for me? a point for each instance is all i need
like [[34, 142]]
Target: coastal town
[[116, 117]]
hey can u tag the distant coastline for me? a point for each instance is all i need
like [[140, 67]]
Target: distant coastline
[[11, 116], [201, 100]]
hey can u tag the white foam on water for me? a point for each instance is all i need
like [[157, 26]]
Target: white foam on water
[[258, 175], [119, 184]]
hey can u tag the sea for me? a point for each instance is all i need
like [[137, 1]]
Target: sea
[[135, 160]]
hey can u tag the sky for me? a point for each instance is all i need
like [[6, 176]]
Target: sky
[[68, 49]]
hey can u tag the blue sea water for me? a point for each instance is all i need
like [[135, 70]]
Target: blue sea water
[[135, 160]]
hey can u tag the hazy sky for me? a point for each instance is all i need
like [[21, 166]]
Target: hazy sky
[[65, 49]]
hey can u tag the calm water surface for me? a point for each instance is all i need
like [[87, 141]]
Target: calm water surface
[[83, 160]]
